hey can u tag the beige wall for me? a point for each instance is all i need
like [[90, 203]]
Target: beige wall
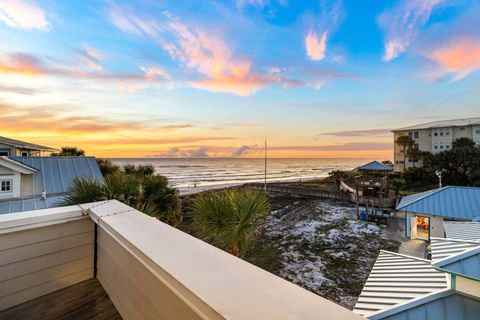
[[467, 286], [37, 261]]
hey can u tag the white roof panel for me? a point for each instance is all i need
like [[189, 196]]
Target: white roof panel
[[443, 124], [396, 279]]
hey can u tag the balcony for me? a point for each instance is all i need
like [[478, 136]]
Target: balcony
[[137, 266]]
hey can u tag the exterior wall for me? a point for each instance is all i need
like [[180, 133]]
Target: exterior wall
[[467, 286], [7, 174], [46, 257], [433, 140], [26, 185]]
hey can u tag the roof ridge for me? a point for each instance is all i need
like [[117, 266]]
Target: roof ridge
[[406, 256]]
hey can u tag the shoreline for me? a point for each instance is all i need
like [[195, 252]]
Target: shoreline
[[185, 191]]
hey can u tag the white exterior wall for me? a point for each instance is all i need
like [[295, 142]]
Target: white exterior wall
[[54, 252], [15, 177], [434, 140], [436, 225]]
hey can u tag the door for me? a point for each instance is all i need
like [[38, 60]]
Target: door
[[413, 227]]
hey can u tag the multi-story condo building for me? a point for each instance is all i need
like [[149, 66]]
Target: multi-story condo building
[[434, 137]]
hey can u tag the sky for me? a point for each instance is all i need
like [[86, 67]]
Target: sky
[[189, 78]]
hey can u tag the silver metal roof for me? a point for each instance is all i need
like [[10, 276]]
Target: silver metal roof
[[443, 248], [19, 205], [55, 174], [444, 305], [443, 124], [462, 230], [452, 202], [396, 279]]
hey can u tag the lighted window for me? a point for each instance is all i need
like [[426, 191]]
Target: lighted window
[[5, 185]]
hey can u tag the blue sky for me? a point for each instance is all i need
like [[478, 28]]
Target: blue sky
[[210, 78]]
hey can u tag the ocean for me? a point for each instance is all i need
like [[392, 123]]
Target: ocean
[[198, 174]]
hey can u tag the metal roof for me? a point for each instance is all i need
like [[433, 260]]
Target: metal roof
[[396, 279], [466, 264], [19, 205], [375, 166], [451, 202], [55, 176], [443, 124], [462, 230], [447, 304], [444, 248], [23, 144]]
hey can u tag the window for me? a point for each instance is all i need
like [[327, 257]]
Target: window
[[447, 146], [435, 147], [415, 135], [24, 153], [478, 131], [441, 147], [447, 133], [435, 134], [5, 185], [4, 152], [416, 146], [441, 133], [462, 129], [410, 134]]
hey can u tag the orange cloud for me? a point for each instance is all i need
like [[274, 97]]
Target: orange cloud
[[315, 45], [19, 63], [461, 57]]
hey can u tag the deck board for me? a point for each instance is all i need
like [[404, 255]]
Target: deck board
[[85, 300]]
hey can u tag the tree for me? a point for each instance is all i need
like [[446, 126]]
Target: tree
[[149, 194], [414, 154], [107, 167], [69, 152], [337, 176], [387, 163], [227, 217], [406, 143], [141, 169]]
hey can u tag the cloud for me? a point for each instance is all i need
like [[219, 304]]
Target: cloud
[[256, 3], [177, 152], [461, 56], [402, 24], [18, 90], [242, 150], [357, 133], [218, 68], [23, 14], [353, 146], [316, 45]]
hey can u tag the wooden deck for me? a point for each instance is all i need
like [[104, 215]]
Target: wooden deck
[[85, 300]]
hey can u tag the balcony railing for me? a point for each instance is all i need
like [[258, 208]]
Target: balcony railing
[[149, 269]]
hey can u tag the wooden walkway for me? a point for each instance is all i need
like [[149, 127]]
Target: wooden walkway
[[317, 193], [85, 300]]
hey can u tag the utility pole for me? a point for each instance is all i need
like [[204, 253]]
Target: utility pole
[[265, 178]]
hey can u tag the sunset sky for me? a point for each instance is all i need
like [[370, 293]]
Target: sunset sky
[[192, 78]]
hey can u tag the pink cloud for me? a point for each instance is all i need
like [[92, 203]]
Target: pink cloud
[[403, 23], [460, 57], [23, 14], [315, 45]]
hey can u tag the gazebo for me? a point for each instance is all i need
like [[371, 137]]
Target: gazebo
[[374, 167], [373, 180]]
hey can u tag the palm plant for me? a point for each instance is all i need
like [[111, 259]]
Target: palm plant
[[107, 167], [227, 217], [84, 190], [69, 152], [406, 143]]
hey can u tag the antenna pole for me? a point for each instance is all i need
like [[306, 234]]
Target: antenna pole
[[265, 178]]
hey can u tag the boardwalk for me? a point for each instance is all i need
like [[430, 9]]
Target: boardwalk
[[318, 193]]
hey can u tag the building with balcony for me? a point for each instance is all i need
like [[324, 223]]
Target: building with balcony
[[434, 137], [16, 148], [106, 260], [29, 183]]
